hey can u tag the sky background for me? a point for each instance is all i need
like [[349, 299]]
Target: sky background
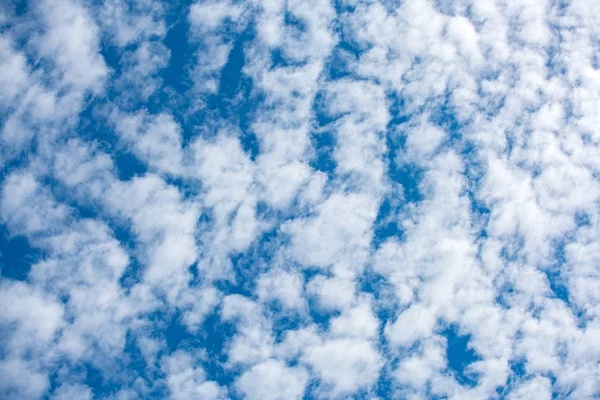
[[303, 199]]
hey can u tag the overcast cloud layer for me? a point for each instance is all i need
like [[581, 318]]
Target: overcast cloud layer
[[302, 199]]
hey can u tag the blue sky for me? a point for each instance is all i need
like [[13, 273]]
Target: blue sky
[[299, 199]]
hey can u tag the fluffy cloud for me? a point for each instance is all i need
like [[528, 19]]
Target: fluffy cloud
[[290, 199], [186, 381], [273, 380]]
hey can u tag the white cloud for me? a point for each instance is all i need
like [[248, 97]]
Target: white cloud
[[253, 342], [20, 381], [15, 76], [344, 365], [493, 105], [335, 293], [71, 41], [285, 287], [211, 23], [340, 232], [537, 387], [127, 22], [156, 139], [161, 220], [185, 381], [73, 391], [209, 15], [141, 67], [20, 189], [273, 380], [415, 323], [37, 319], [420, 367], [358, 321]]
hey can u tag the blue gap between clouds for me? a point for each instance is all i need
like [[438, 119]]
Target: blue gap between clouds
[[339, 63], [518, 374], [318, 315], [104, 384], [323, 140], [386, 223], [346, 51], [235, 100], [93, 124], [474, 172], [283, 320], [247, 266], [556, 279], [381, 291], [93, 127], [175, 75], [16, 255], [212, 337], [460, 355], [509, 253], [21, 7], [174, 96], [554, 275], [233, 103], [109, 376], [214, 334], [379, 288], [409, 176]]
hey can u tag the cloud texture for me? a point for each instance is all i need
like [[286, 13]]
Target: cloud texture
[[301, 199]]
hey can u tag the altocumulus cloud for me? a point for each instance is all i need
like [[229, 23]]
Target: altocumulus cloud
[[302, 199]]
